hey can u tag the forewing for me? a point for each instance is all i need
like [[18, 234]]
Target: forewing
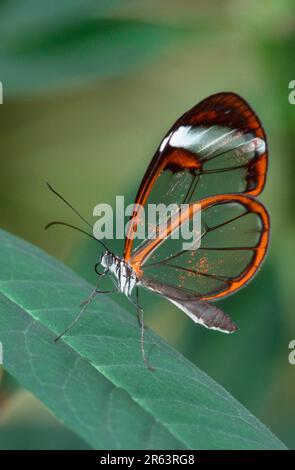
[[218, 147]]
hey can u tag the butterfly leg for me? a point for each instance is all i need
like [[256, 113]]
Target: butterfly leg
[[100, 275], [84, 306], [140, 318], [139, 310], [76, 319], [97, 291]]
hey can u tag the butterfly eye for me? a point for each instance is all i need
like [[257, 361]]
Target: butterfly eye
[[104, 261]]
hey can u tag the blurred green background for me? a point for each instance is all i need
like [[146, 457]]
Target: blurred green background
[[90, 88]]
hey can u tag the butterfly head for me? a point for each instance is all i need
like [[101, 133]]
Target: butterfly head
[[107, 260]]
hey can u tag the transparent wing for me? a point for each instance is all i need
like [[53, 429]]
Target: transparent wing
[[218, 147], [199, 311], [233, 242]]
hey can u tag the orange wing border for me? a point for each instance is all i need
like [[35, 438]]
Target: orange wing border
[[202, 113], [259, 251]]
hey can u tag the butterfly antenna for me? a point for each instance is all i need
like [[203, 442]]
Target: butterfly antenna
[[76, 212], [68, 204], [65, 224]]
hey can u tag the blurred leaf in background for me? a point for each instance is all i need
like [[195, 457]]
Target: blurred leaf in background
[[69, 42], [111, 77], [27, 424]]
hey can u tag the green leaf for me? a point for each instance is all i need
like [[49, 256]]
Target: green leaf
[[71, 43], [94, 380]]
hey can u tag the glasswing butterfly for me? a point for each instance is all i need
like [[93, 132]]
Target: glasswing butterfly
[[214, 155]]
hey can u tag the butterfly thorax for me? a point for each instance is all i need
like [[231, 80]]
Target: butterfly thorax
[[124, 276]]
